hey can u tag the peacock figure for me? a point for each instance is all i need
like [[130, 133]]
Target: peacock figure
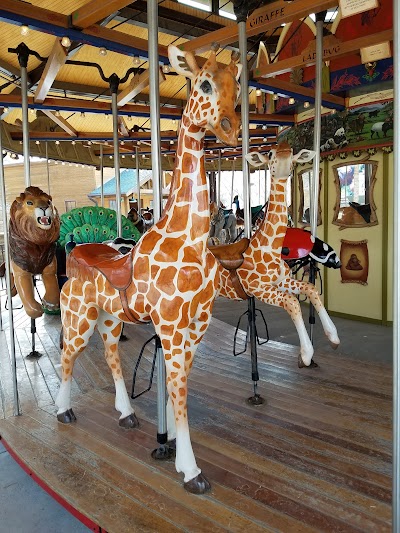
[[94, 224]]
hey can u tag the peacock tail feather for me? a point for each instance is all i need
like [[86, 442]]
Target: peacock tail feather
[[94, 224]]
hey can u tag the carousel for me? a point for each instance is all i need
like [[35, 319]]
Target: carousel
[[120, 393]]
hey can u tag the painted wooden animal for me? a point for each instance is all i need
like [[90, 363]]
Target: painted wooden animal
[[263, 273], [33, 231], [381, 127], [169, 278], [221, 221]]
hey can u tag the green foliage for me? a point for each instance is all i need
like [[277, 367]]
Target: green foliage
[[94, 224]]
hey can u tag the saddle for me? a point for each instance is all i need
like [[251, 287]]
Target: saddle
[[115, 267], [230, 256]]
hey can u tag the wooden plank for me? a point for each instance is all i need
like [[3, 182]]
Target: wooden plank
[[307, 58], [55, 61], [261, 20], [95, 11], [60, 121], [136, 86], [240, 470], [82, 486]]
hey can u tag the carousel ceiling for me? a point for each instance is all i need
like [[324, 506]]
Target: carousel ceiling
[[70, 101]]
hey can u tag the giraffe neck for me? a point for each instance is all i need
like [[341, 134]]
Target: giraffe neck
[[189, 196], [273, 228]]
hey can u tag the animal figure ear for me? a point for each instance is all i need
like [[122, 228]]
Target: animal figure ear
[[182, 62], [234, 67], [256, 159], [304, 156]]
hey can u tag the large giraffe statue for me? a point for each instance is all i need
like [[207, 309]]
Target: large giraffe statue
[[169, 278], [263, 273]]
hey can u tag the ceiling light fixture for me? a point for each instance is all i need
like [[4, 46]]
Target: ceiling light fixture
[[275, 97], [166, 69], [24, 29], [306, 105], [291, 100], [73, 142], [258, 92], [37, 142], [57, 142], [66, 41], [136, 61], [57, 114], [103, 51], [264, 126]]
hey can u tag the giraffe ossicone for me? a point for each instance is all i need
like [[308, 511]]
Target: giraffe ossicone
[[263, 273], [169, 278]]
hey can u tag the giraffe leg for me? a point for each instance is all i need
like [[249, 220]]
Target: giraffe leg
[[272, 296], [176, 370], [79, 321], [110, 329], [310, 291]]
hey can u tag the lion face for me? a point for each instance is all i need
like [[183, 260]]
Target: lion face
[[34, 216]]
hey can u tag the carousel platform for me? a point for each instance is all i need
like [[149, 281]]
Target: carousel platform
[[315, 457]]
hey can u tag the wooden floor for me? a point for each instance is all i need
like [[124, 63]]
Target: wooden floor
[[315, 457]]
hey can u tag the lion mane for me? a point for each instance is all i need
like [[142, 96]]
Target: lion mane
[[32, 237]]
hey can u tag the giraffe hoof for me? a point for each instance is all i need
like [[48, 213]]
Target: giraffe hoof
[[301, 363], [129, 422], [197, 485], [67, 417]]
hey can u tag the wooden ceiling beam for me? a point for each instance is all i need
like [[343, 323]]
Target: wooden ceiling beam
[[288, 89], [331, 49], [60, 121], [96, 11], [122, 127], [55, 61], [137, 84], [263, 19]]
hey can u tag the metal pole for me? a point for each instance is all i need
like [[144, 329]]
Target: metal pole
[[396, 280], [47, 168], [241, 15], [244, 82], [116, 158], [138, 179], [233, 180], [320, 17], [218, 182], [16, 406], [101, 177], [25, 125], [152, 22]]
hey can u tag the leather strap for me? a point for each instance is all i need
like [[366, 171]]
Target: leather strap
[[237, 285], [125, 307]]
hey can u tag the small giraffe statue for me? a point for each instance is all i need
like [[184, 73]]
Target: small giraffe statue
[[169, 278], [263, 273]]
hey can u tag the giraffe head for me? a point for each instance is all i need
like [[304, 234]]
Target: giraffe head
[[214, 94], [280, 160]]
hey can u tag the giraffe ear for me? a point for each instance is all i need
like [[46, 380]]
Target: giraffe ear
[[304, 156], [256, 159], [182, 62]]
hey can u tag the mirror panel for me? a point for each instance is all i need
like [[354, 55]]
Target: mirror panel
[[305, 198], [355, 206]]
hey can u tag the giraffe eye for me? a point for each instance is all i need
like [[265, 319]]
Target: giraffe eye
[[29, 202], [206, 87]]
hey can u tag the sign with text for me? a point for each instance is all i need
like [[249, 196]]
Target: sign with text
[[353, 7], [369, 54]]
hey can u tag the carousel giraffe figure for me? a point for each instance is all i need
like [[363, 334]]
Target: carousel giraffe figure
[[169, 278], [263, 273]]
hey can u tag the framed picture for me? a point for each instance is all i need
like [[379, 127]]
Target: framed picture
[[354, 259]]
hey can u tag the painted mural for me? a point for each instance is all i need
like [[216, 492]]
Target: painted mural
[[357, 128]]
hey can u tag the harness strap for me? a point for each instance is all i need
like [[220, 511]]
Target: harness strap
[[237, 285], [125, 307]]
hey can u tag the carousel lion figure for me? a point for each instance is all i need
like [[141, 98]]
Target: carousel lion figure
[[33, 231]]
